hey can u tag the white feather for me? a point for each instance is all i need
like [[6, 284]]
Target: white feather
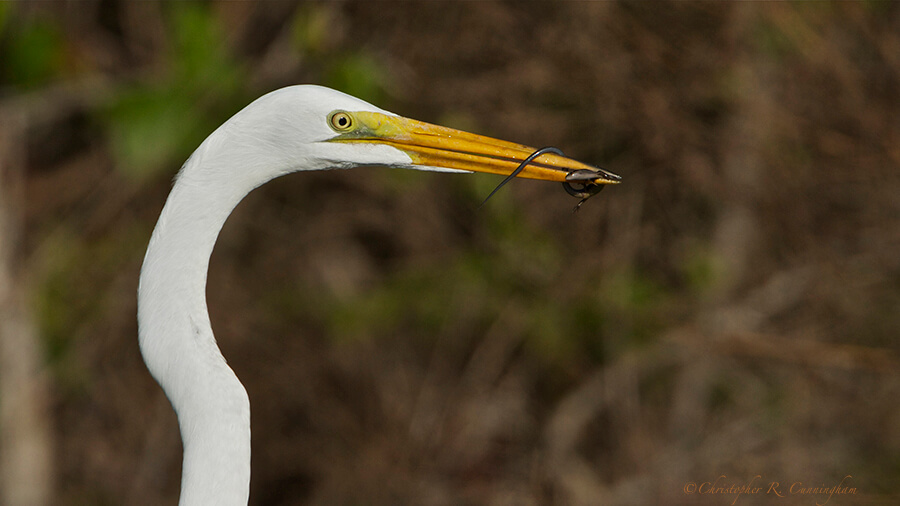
[[282, 132]]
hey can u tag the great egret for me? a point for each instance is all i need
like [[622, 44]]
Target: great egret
[[292, 129]]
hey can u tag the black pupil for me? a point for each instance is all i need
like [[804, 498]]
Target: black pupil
[[342, 121]]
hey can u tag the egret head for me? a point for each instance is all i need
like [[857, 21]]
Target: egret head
[[310, 127]]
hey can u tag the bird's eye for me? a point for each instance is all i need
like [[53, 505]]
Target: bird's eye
[[341, 121]]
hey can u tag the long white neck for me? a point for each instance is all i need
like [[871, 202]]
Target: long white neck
[[177, 342], [282, 132]]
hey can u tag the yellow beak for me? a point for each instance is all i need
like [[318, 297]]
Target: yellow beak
[[437, 146]]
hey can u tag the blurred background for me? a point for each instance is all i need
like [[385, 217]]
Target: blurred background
[[730, 309]]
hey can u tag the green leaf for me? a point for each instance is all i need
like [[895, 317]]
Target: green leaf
[[34, 55], [359, 75], [155, 126]]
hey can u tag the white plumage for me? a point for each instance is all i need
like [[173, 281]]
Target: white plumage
[[285, 131]]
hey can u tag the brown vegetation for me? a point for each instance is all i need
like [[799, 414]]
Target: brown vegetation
[[730, 309]]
